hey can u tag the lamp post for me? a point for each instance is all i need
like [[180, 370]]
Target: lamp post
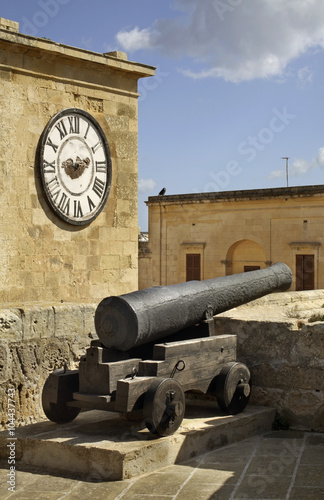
[[286, 158]]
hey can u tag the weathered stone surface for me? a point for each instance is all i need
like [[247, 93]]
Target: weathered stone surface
[[4, 360], [38, 321], [48, 338], [99, 445], [43, 259], [67, 314], [285, 353], [11, 324]]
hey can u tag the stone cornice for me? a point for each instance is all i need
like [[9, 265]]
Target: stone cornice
[[241, 195], [114, 61]]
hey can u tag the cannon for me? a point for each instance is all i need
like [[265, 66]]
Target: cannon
[[158, 344]]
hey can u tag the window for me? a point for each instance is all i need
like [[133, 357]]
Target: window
[[305, 272], [192, 266]]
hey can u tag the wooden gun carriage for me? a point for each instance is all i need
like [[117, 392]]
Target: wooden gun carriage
[[157, 344]]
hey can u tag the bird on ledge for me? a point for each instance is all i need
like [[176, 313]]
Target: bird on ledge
[[162, 192]]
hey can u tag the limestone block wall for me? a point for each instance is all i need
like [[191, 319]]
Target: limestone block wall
[[233, 229], [281, 339], [144, 265], [42, 258], [34, 341]]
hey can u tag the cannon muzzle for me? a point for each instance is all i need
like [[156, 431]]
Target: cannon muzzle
[[146, 315]]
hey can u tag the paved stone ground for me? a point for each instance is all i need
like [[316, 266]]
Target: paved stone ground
[[282, 465]]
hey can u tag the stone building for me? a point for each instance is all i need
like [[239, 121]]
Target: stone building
[[63, 238], [206, 235], [68, 204]]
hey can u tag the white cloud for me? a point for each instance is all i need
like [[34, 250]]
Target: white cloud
[[146, 185], [305, 76], [276, 173], [136, 39], [235, 39], [320, 157], [300, 166]]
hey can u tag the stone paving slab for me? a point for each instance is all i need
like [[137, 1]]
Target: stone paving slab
[[291, 467], [101, 445]]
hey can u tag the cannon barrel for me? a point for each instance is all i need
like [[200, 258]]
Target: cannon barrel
[[146, 315]]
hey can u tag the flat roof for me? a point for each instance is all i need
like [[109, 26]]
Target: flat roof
[[248, 194], [114, 60]]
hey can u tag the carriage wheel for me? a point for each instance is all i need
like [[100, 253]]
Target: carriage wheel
[[233, 387], [55, 396], [164, 406]]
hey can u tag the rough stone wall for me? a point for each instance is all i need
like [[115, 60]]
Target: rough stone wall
[[278, 338], [34, 341], [281, 339], [42, 258]]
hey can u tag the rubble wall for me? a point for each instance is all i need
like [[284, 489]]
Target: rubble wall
[[34, 341]]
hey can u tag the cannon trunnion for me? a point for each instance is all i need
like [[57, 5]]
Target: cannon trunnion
[[154, 377]]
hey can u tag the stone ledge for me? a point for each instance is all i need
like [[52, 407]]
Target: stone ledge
[[50, 48], [39, 321], [285, 298], [239, 195], [103, 446]]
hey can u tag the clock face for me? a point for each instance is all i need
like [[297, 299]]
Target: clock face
[[75, 166]]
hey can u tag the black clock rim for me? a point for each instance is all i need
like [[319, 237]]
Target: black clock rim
[[41, 148]]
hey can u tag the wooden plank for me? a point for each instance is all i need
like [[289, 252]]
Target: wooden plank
[[92, 401], [200, 378], [122, 370], [102, 378], [195, 372], [203, 359], [199, 346], [202, 355], [150, 368], [130, 393]]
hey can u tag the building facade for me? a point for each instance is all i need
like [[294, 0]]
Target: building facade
[[207, 235], [68, 214], [68, 204]]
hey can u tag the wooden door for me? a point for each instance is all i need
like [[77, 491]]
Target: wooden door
[[192, 266], [305, 275]]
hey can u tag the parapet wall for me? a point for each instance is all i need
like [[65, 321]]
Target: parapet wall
[[277, 339], [281, 339]]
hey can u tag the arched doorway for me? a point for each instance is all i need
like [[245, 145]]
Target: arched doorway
[[245, 255]]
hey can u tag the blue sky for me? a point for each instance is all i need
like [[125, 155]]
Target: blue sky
[[239, 85]]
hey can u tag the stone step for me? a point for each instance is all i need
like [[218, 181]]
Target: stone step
[[99, 445]]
